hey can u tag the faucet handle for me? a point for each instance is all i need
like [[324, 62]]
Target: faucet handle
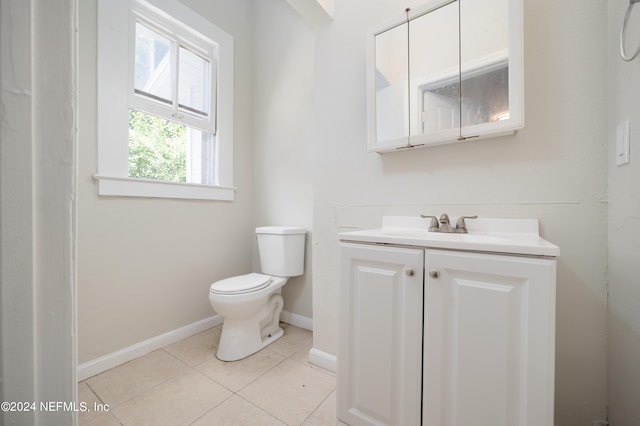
[[434, 222], [460, 223]]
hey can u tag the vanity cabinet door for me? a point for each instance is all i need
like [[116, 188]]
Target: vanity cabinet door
[[489, 333], [379, 359]]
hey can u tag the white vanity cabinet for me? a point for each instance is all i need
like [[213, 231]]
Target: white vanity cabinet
[[433, 334], [489, 333], [381, 335]]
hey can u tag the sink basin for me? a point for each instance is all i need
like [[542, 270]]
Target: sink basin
[[514, 236]]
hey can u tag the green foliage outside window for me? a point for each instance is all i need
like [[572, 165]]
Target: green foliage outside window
[[157, 148]]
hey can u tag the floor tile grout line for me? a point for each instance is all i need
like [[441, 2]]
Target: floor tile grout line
[[318, 406], [94, 392], [262, 409], [174, 356], [146, 390], [284, 358], [214, 349], [214, 407], [117, 418], [294, 354], [174, 376], [313, 410], [151, 388], [202, 373], [237, 393], [263, 373], [109, 413], [315, 367], [248, 383]]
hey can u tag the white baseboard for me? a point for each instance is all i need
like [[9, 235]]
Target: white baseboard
[[297, 320], [106, 362], [323, 360]]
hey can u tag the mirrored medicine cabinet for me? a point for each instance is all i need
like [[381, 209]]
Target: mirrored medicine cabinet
[[448, 71]]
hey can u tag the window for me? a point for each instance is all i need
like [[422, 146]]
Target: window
[[165, 106], [171, 113]]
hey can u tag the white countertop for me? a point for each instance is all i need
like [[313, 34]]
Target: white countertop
[[513, 236]]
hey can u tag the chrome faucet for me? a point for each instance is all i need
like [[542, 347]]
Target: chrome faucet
[[445, 225]]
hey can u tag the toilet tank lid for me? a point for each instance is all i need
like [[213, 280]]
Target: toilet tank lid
[[280, 230]]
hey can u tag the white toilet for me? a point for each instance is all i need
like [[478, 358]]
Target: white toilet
[[251, 304]]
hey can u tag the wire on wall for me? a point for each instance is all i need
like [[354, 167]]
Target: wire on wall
[[623, 34]]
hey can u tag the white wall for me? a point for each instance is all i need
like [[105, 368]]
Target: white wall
[[553, 170], [282, 132], [37, 207], [623, 368], [145, 265]]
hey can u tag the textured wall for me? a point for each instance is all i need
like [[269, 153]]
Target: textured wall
[[37, 208], [623, 320]]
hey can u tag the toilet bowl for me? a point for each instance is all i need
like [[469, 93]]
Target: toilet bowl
[[250, 304], [251, 315]]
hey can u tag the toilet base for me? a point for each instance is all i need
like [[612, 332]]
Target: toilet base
[[233, 351], [241, 338]]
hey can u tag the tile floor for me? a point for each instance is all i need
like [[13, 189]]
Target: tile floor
[[185, 384]]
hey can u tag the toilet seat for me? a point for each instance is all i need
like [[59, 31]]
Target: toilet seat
[[241, 284]]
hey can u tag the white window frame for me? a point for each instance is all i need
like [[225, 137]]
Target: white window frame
[[176, 34], [115, 97]]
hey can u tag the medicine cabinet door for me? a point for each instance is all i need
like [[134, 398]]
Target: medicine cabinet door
[[446, 72], [434, 76], [490, 67], [391, 124]]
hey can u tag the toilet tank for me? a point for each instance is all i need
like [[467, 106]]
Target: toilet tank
[[281, 250]]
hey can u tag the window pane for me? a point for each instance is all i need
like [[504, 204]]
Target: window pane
[[156, 148], [165, 150], [193, 82], [153, 64], [199, 157]]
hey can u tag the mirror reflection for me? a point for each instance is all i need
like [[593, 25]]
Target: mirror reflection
[[443, 72], [434, 71], [392, 115], [484, 61]]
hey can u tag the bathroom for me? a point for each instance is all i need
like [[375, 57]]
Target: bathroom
[[300, 157]]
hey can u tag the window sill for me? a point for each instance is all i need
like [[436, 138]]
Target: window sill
[[137, 187]]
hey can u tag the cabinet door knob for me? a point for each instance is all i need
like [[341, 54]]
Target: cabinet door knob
[[433, 273], [409, 271]]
